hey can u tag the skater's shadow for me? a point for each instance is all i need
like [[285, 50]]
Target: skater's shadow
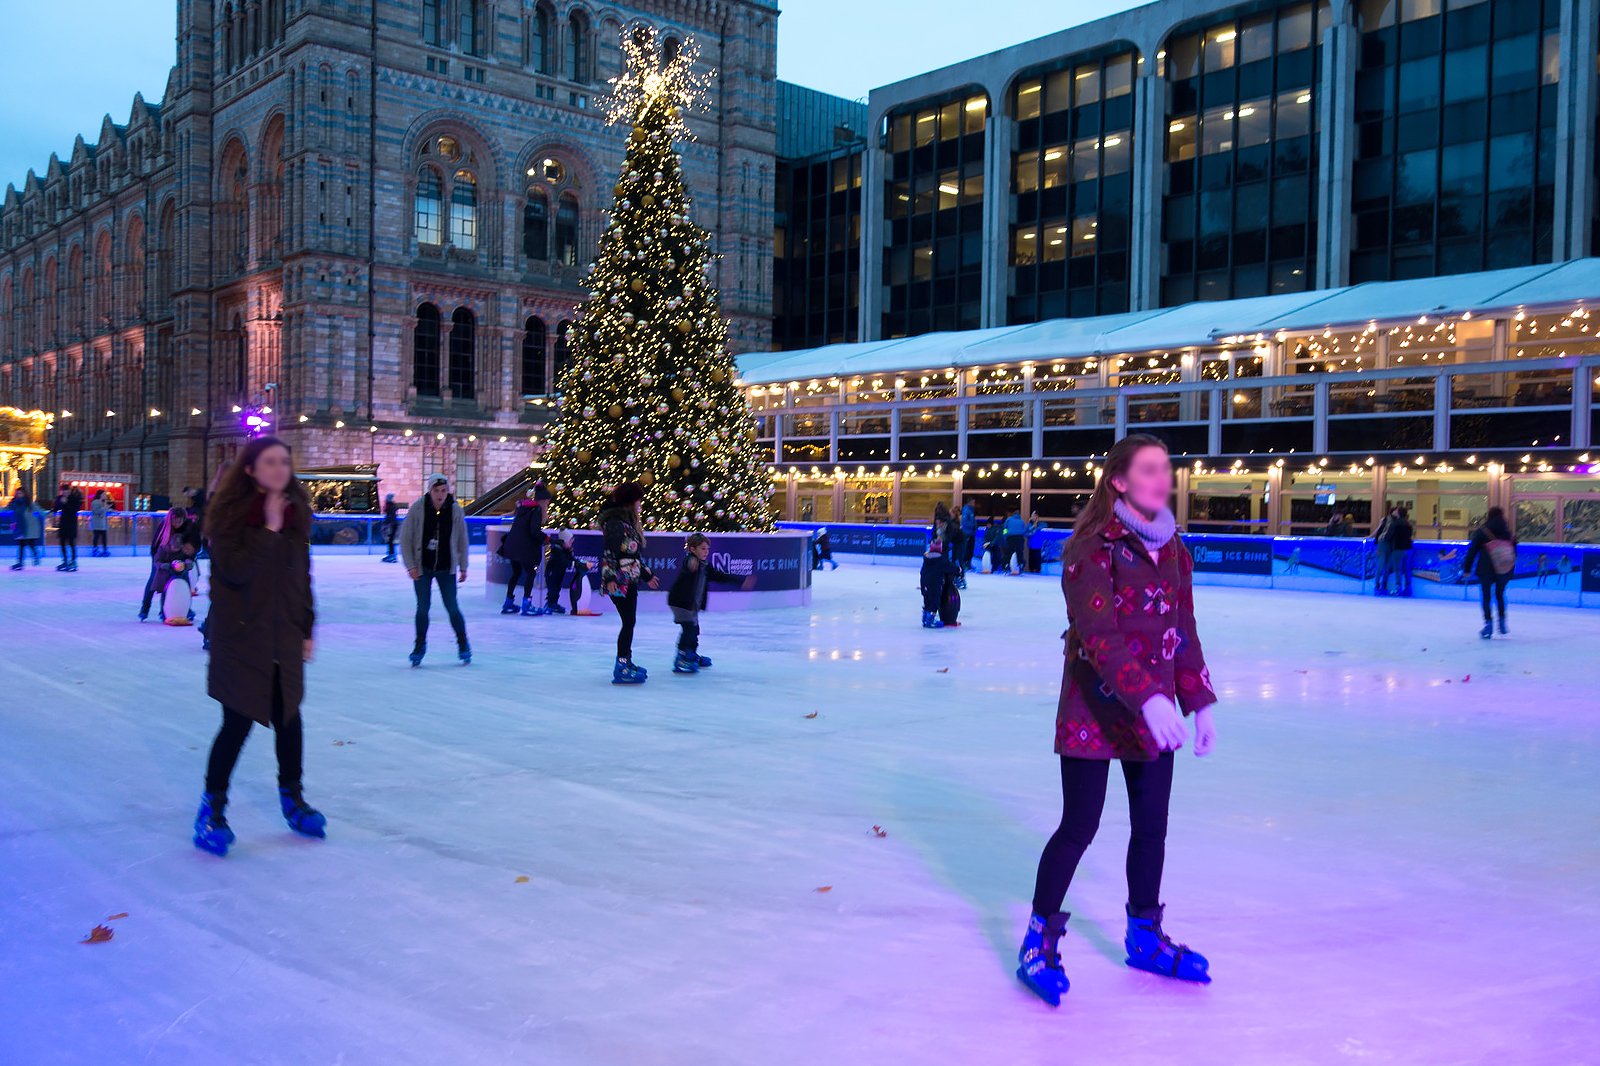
[[982, 852]]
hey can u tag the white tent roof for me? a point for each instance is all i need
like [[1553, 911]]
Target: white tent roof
[[1195, 324]]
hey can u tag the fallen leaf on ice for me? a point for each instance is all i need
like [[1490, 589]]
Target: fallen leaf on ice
[[98, 935], [879, 831], [813, 714], [943, 670], [522, 880], [114, 917], [342, 743], [1464, 680], [823, 888]]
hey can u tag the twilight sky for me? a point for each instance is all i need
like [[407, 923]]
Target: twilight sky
[[69, 63]]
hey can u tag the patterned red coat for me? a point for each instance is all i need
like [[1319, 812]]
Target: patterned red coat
[[1131, 635]]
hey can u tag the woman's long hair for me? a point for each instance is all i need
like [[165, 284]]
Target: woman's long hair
[[237, 494], [176, 519], [1098, 512], [1495, 523]]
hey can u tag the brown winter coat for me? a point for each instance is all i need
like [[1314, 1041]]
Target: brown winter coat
[[1131, 636], [261, 613]]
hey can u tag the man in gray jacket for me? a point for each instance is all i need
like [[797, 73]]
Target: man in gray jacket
[[433, 543]]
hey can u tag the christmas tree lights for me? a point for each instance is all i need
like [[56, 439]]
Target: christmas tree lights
[[650, 393]]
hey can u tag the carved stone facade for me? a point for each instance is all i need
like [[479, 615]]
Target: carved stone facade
[[370, 216]]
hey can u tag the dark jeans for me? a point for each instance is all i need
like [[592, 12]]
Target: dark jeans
[[627, 610], [969, 545], [389, 533], [689, 639], [149, 588], [1083, 797], [555, 579], [447, 596], [68, 539], [231, 737], [935, 587], [1496, 584], [99, 542], [524, 576]]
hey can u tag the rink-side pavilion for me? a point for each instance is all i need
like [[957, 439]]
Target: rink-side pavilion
[[1446, 394]]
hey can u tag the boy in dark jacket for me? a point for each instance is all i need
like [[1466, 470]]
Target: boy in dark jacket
[[687, 598], [939, 570], [558, 559]]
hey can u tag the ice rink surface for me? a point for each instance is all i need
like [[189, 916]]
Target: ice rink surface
[[1393, 857]]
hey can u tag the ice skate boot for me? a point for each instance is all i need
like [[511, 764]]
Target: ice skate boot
[[555, 608], [211, 831], [1504, 632], [686, 663], [417, 652], [18, 566], [1039, 962], [1487, 631], [625, 673], [927, 619], [301, 816], [702, 661], [528, 608], [464, 653], [509, 607], [1152, 950]]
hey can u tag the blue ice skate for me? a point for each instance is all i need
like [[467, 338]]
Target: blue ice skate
[[464, 653], [509, 607], [1039, 962], [703, 661], [1152, 950], [686, 663], [625, 673], [417, 652], [301, 816], [529, 609], [211, 831]]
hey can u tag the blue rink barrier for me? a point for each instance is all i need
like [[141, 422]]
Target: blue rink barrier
[[1561, 575]]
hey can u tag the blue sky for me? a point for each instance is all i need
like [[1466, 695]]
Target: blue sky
[[70, 62]]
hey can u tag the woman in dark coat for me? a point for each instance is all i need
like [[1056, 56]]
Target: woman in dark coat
[[1133, 659], [1492, 554], [258, 525], [622, 568], [522, 546]]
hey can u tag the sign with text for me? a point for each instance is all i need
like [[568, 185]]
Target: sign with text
[[1231, 555]]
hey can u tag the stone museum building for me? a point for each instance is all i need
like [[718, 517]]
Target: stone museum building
[[363, 222]]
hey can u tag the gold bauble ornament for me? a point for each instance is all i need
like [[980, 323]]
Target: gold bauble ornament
[[647, 200], [584, 455], [637, 284], [719, 374], [674, 461], [647, 479], [615, 410], [677, 393], [683, 326]]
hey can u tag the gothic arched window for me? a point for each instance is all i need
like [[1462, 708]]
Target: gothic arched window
[[425, 351], [464, 211], [542, 39], [563, 349], [567, 230], [472, 25], [533, 348], [536, 225], [463, 355], [579, 47], [430, 207]]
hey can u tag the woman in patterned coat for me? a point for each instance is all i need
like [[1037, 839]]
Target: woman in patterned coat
[[1133, 659], [622, 568]]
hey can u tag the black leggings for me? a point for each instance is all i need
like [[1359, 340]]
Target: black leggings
[[524, 576], [99, 542], [230, 741], [1496, 584], [1083, 796], [628, 611]]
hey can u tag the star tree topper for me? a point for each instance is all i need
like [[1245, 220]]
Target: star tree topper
[[646, 80]]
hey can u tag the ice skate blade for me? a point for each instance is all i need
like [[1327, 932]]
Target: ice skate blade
[[320, 832], [1046, 993], [219, 848], [1202, 979]]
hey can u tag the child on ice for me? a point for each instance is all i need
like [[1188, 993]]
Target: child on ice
[[687, 598], [938, 579]]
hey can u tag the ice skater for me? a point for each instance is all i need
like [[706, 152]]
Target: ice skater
[[1402, 541], [821, 549], [558, 560], [1130, 665], [522, 546], [258, 526], [391, 527], [28, 528], [433, 542], [178, 540], [937, 581], [69, 501], [622, 568], [1492, 556], [687, 598], [1563, 568], [99, 524], [1542, 570]]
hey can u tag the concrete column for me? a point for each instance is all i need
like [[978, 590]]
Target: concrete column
[[1575, 122], [1582, 406], [1180, 493], [1321, 401], [997, 140], [1441, 412], [1335, 105], [1149, 151], [873, 169]]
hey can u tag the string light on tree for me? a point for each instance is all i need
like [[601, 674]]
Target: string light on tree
[[650, 393]]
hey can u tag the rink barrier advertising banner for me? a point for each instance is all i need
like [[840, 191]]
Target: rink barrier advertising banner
[[1230, 555], [1552, 574], [780, 563]]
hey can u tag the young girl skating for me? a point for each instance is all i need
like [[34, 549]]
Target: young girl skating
[[1133, 659], [258, 526], [621, 569]]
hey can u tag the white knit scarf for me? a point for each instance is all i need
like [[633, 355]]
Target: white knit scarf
[[1155, 532]]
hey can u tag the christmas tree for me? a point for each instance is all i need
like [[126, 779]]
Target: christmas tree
[[650, 395]]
